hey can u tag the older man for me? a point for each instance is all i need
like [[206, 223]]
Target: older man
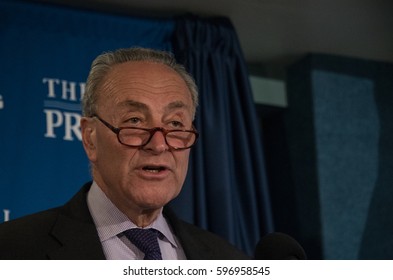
[[137, 132]]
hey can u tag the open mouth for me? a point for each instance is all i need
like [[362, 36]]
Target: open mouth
[[154, 169]]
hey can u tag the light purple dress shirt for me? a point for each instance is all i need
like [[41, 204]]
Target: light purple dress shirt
[[111, 222]]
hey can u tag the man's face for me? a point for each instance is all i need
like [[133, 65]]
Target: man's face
[[146, 95]]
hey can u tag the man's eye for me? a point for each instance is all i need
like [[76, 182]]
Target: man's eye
[[177, 124], [134, 120]]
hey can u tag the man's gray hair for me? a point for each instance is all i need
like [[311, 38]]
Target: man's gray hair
[[104, 63]]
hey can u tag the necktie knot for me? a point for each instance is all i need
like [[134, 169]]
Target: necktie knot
[[145, 240]]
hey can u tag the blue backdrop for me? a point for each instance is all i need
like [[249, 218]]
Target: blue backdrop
[[45, 58]]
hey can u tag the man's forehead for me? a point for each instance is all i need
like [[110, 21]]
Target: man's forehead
[[141, 76], [141, 106], [124, 82]]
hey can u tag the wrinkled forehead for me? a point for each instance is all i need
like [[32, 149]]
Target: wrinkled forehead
[[135, 84]]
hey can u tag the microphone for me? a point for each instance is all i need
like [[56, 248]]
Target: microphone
[[279, 246]]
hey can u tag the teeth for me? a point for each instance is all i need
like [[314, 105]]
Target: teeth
[[153, 170]]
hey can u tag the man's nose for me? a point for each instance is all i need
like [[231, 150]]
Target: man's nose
[[157, 143]]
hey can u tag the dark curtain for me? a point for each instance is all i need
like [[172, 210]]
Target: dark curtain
[[226, 190]]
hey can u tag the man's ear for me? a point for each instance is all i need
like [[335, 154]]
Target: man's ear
[[89, 137]]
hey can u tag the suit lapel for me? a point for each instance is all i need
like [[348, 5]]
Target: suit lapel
[[193, 248], [75, 231], [79, 241]]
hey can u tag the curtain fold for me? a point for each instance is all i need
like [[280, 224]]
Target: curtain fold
[[226, 190]]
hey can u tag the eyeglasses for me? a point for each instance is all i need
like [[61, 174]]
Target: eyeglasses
[[139, 137]]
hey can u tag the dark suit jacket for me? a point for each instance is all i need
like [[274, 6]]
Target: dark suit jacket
[[68, 232]]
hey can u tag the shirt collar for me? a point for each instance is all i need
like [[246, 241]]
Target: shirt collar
[[110, 221]]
